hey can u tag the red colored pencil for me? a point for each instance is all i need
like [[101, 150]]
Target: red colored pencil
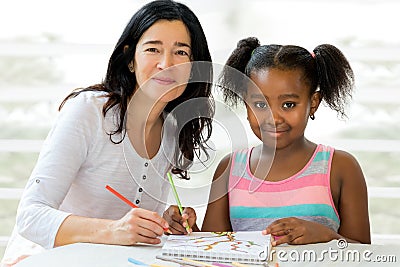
[[127, 201]]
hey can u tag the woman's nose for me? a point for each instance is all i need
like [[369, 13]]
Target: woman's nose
[[165, 61]]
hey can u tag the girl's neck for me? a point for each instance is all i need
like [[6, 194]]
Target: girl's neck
[[278, 164], [296, 148]]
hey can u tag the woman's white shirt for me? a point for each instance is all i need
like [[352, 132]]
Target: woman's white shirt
[[78, 160]]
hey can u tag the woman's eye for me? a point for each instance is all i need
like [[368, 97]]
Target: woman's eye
[[288, 105], [182, 53], [151, 49]]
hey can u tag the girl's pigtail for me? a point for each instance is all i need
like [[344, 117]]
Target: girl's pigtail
[[335, 75], [232, 80]]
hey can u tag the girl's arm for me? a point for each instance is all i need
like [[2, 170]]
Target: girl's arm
[[217, 214], [352, 198], [349, 192]]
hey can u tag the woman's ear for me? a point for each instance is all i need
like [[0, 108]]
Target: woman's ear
[[315, 101], [130, 65], [126, 47]]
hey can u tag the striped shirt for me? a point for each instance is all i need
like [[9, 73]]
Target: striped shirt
[[254, 203]]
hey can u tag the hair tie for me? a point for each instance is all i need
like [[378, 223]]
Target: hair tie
[[252, 52]]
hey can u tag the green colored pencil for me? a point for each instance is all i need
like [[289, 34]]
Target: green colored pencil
[[178, 202]]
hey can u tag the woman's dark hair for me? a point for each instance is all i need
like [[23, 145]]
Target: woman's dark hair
[[326, 69], [120, 82]]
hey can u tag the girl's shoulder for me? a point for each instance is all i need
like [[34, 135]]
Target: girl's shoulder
[[237, 155], [341, 157], [223, 166], [236, 158], [345, 165]]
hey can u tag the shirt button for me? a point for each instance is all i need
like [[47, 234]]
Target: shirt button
[[140, 189], [37, 181], [144, 177], [146, 164], [137, 201]]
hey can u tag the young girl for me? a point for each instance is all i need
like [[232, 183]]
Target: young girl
[[297, 191]]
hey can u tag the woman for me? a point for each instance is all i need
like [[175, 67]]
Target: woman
[[116, 133]]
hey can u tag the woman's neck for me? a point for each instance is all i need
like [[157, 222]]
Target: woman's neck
[[143, 111], [144, 124]]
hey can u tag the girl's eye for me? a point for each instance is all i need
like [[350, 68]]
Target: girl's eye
[[260, 105], [288, 105]]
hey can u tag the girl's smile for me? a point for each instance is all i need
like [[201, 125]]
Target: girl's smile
[[279, 108]]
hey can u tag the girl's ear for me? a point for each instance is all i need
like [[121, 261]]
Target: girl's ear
[[315, 101]]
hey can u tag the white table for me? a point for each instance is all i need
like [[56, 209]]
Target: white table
[[93, 255], [96, 255]]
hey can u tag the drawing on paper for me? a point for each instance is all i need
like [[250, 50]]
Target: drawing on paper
[[215, 242]]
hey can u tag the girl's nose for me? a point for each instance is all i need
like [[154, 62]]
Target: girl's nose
[[276, 117]]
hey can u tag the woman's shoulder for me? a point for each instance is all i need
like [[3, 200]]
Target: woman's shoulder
[[84, 108], [93, 98], [86, 103]]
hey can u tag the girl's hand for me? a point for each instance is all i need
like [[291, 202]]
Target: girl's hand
[[138, 225], [178, 222], [296, 231]]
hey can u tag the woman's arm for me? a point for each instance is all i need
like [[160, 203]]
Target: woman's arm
[[138, 225], [63, 153], [217, 214]]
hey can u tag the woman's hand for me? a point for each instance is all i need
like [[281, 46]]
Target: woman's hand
[[138, 225], [296, 231], [12, 262], [178, 222]]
